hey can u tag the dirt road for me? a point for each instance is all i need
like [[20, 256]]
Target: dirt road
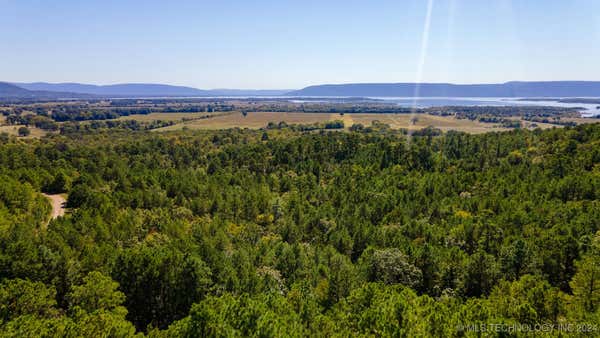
[[58, 205]]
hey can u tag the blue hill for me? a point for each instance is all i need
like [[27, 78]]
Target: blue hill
[[508, 89], [117, 90]]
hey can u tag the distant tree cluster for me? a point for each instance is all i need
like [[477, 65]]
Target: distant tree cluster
[[91, 126], [307, 127]]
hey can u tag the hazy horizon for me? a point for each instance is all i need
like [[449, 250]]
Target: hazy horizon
[[294, 44], [279, 89]]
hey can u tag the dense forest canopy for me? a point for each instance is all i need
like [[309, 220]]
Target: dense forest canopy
[[287, 233]]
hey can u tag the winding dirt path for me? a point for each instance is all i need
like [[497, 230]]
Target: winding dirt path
[[58, 205]]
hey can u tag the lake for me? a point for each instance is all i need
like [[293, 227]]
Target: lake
[[589, 110]]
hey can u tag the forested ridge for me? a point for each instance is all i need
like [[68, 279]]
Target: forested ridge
[[280, 233]]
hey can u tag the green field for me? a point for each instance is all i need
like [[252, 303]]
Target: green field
[[255, 120], [13, 130]]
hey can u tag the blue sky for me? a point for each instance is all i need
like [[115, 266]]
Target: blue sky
[[292, 44]]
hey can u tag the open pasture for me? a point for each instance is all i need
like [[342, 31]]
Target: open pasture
[[255, 120]]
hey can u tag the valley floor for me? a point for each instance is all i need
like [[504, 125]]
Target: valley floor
[[255, 120]]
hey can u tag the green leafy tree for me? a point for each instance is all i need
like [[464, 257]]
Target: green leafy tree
[[586, 282], [480, 275], [24, 131], [60, 183], [98, 292], [20, 297], [160, 283], [391, 266]]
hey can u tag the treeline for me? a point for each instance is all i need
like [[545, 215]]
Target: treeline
[[67, 113], [38, 121], [70, 127], [554, 120], [230, 233], [94, 126], [472, 112], [71, 114], [209, 108], [337, 124], [83, 111], [504, 122]]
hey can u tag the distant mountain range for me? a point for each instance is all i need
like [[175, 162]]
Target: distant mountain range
[[143, 90], [508, 89], [120, 90], [43, 90], [11, 91]]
